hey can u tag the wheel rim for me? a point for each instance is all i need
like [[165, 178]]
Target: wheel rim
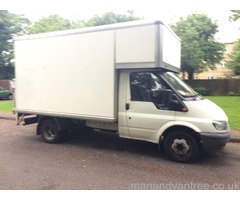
[[180, 147], [49, 132]]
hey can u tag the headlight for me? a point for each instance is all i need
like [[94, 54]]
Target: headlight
[[220, 125]]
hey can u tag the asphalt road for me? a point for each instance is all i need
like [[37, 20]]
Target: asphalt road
[[96, 160]]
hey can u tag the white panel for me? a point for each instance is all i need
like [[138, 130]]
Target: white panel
[[69, 75], [136, 44], [171, 48], [72, 72]]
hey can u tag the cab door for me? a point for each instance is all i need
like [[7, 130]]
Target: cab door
[[146, 105]]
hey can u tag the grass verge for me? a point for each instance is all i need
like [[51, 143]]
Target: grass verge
[[6, 106], [231, 106]]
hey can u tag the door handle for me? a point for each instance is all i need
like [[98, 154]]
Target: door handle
[[127, 106]]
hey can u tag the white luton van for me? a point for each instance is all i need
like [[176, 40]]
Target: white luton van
[[120, 78]]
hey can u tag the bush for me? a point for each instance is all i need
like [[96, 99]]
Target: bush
[[237, 93], [203, 91]]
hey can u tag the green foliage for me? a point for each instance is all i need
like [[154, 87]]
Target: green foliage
[[235, 15], [10, 26], [7, 73], [111, 18], [57, 23], [234, 62], [202, 90], [49, 24], [199, 48], [237, 93]]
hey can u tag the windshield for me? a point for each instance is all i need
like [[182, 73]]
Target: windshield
[[179, 85]]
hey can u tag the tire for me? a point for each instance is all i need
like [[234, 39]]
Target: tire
[[50, 133], [180, 146], [10, 97]]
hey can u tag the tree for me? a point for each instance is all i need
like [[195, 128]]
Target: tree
[[10, 26], [234, 62], [235, 15], [57, 23], [49, 24], [199, 48], [111, 18]]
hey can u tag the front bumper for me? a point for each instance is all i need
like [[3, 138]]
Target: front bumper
[[214, 141]]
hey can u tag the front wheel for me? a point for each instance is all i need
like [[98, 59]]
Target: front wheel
[[50, 132], [180, 146]]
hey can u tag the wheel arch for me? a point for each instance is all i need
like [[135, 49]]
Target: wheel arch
[[184, 128], [60, 122]]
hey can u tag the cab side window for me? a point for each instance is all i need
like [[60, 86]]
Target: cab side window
[[146, 86], [140, 90]]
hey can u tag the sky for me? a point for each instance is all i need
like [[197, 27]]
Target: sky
[[168, 11]]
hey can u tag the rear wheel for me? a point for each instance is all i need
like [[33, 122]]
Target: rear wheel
[[50, 132], [180, 146]]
